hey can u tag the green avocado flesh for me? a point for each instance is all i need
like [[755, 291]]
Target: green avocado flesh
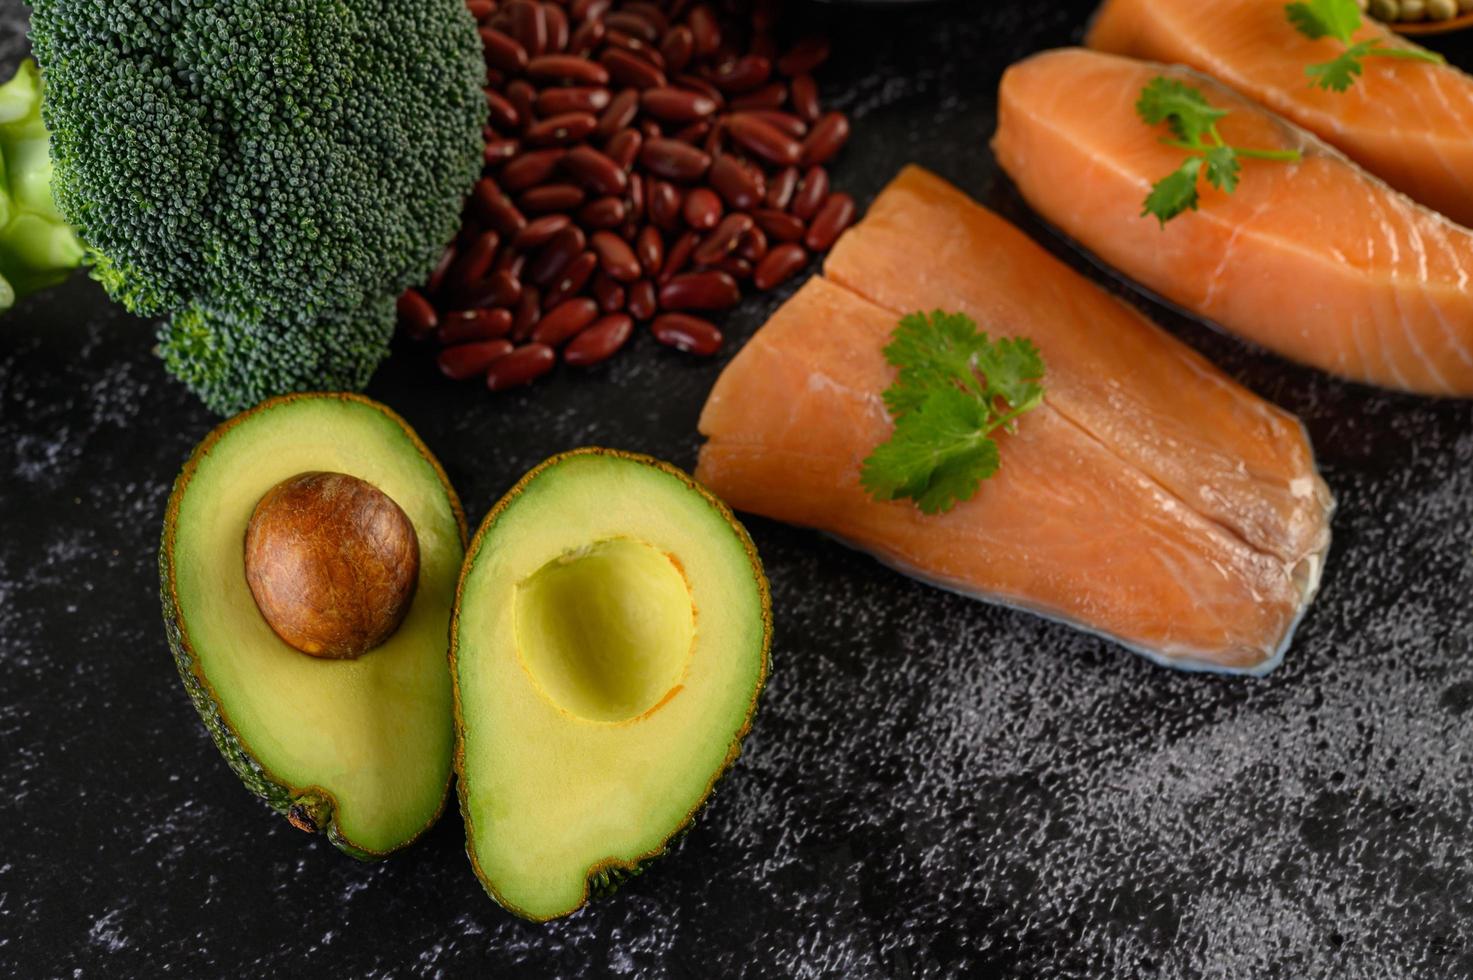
[[611, 639], [360, 749]]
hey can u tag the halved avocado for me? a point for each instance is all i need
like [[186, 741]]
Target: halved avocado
[[610, 640], [357, 748]]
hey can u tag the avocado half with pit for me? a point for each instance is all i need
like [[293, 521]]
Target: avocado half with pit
[[610, 640], [310, 555]]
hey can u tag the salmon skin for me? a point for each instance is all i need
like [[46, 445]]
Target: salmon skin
[[1317, 260], [1408, 122], [1149, 499]]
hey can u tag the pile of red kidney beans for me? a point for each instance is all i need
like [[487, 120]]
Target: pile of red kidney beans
[[644, 161]]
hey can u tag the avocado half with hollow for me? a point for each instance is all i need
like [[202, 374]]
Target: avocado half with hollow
[[323, 519], [610, 640]]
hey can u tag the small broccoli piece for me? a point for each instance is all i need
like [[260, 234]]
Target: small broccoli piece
[[270, 174], [37, 247]]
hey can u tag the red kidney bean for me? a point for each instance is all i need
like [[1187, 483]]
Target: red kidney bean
[[540, 231], [630, 69], [615, 256], [636, 47], [650, 12], [570, 127], [462, 326], [696, 133], [687, 333], [752, 246], [416, 313], [708, 290], [650, 129], [574, 278], [734, 266], [781, 187], [811, 193], [769, 96], [639, 193], [742, 75], [526, 315], [511, 262], [779, 265], [606, 212], [474, 261], [677, 105], [632, 24], [623, 148], [678, 256], [673, 160], [552, 197], [501, 288], [620, 113], [522, 95], [714, 139], [528, 25], [501, 112], [610, 294], [481, 9], [649, 247], [803, 57], [705, 31], [589, 35], [804, 93], [828, 135], [642, 300], [555, 255], [723, 239], [521, 367], [590, 9], [557, 27], [596, 171], [557, 101], [464, 361], [499, 151], [437, 277], [698, 84], [835, 215], [740, 186], [702, 208], [502, 51], [784, 122], [600, 341], [568, 68], [664, 205], [763, 139], [530, 169], [564, 320], [779, 224], [677, 47]]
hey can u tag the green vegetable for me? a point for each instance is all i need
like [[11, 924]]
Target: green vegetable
[[271, 175], [955, 389], [37, 247], [1193, 124], [1340, 19]]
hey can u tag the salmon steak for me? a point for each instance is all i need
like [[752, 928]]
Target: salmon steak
[[1316, 260], [1149, 499], [1408, 122]]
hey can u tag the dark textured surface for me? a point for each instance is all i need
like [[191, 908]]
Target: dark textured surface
[[933, 787]]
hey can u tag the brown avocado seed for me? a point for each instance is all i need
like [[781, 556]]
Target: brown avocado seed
[[332, 563]]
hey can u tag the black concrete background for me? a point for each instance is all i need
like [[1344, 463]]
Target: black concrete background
[[934, 787]]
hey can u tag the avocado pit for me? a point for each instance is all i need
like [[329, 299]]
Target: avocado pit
[[332, 563]]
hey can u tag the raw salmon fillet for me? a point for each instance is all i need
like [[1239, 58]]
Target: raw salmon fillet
[[1316, 260], [1149, 499], [1408, 122]]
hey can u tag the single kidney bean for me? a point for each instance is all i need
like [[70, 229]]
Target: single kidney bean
[[528, 25], [779, 224], [630, 69], [575, 276], [770, 96], [763, 139], [501, 288], [804, 94], [676, 105], [696, 134], [702, 208], [481, 9], [615, 256], [540, 231], [596, 171], [606, 212], [811, 193], [677, 47], [437, 277], [463, 326], [568, 68], [570, 127], [636, 47], [620, 113], [785, 122], [649, 247], [739, 185], [698, 84], [779, 265], [521, 367], [742, 75], [715, 246], [564, 320], [510, 261], [527, 313], [780, 188], [475, 260], [557, 27], [600, 341], [610, 294], [521, 94], [705, 30], [673, 160], [752, 246], [530, 169], [464, 361], [803, 57], [589, 35], [590, 9], [501, 112], [664, 205], [828, 135], [632, 24], [501, 213], [503, 52], [678, 255], [500, 151], [687, 333], [556, 101], [416, 313], [552, 197], [623, 148], [708, 290], [642, 300], [555, 255], [639, 195], [835, 215]]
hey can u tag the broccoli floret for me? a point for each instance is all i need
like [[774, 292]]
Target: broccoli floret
[[37, 247], [271, 174]]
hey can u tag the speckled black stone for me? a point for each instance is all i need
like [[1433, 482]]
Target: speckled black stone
[[934, 787]]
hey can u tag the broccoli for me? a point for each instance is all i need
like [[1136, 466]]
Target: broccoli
[[271, 174], [37, 247]]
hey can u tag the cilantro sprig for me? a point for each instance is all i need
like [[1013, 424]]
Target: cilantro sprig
[[1192, 121], [955, 389], [1340, 19]]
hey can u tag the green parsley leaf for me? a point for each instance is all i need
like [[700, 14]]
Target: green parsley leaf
[[1174, 193], [1340, 19], [1184, 109], [953, 390], [1315, 19], [1223, 168], [1340, 73]]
